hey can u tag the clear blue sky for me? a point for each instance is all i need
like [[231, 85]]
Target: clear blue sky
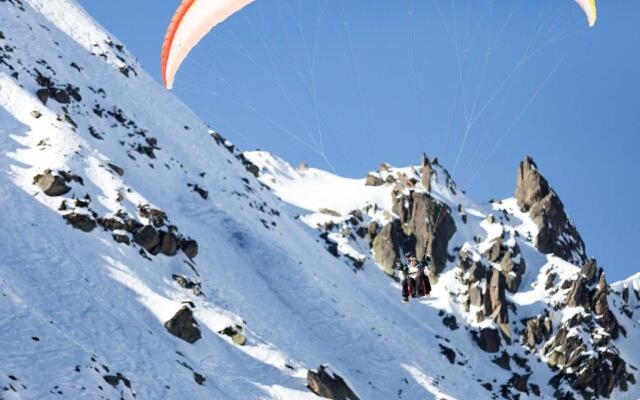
[[349, 84]]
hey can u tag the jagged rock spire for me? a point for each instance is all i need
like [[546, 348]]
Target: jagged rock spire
[[557, 234]]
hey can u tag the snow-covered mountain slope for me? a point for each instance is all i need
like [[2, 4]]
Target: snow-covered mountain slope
[[125, 220]]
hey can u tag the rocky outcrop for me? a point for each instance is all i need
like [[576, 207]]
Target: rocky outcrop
[[52, 184], [556, 233], [148, 238], [427, 173], [184, 326], [582, 349], [537, 330], [513, 267], [416, 230], [186, 283], [593, 374], [373, 180], [605, 317], [326, 383], [488, 340], [235, 333], [81, 221], [495, 303]]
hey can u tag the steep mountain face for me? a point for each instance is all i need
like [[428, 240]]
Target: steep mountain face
[[143, 256], [515, 271]]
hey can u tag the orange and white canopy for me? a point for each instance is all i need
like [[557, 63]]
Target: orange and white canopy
[[191, 22], [195, 18]]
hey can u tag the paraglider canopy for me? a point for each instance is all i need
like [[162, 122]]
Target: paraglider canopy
[[589, 7], [191, 22], [195, 18]]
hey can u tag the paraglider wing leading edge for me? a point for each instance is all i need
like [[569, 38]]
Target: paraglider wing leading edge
[[195, 18], [191, 22]]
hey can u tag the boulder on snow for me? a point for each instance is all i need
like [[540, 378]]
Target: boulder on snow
[[147, 238], [326, 383], [189, 247], [184, 326], [51, 184], [504, 361], [186, 283], [488, 339], [82, 222], [168, 244], [519, 382], [157, 218], [373, 180], [235, 333]]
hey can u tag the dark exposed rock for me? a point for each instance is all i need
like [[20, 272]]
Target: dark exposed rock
[[488, 339], [427, 173], [537, 330], [451, 322], [61, 96], [184, 326], [201, 191], [557, 234], [189, 247], [519, 382], [157, 218], [551, 279], [373, 180], [579, 295], [51, 184], [112, 224], [504, 361], [495, 303], [411, 233], [476, 272], [589, 270], [531, 186], [43, 95], [384, 246], [475, 295], [513, 266], [329, 212], [496, 252], [605, 318], [325, 383], [249, 166], [147, 238], [114, 380], [448, 353], [121, 238], [593, 374], [82, 222], [188, 284], [235, 333], [116, 169], [199, 378], [168, 244]]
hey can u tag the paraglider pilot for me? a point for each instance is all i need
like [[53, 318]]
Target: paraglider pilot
[[415, 281]]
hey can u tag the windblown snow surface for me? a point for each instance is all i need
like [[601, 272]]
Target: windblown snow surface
[[76, 307]]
